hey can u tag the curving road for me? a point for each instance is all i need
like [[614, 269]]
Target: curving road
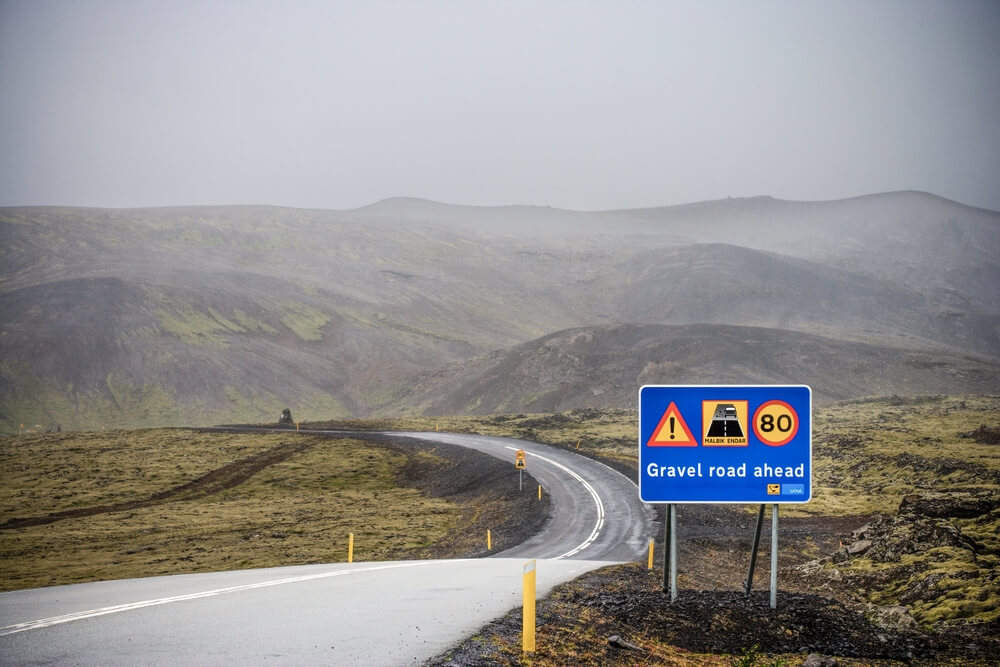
[[596, 512], [362, 613]]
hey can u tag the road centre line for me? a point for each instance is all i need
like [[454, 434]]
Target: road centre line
[[593, 494], [130, 606]]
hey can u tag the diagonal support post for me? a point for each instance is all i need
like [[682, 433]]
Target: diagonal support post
[[748, 584]]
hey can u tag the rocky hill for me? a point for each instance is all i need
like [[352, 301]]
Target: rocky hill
[[603, 367], [200, 315]]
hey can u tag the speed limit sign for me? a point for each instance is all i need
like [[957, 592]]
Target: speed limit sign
[[775, 423]]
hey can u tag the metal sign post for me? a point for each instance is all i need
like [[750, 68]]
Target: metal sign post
[[673, 552], [519, 464], [666, 548], [774, 556], [753, 551]]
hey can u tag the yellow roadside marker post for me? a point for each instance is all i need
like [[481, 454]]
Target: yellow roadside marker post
[[539, 491], [649, 566], [489, 540], [350, 547], [528, 609]]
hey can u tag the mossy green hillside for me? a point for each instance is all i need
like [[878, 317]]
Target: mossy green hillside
[[121, 404], [942, 570], [868, 454], [299, 510]]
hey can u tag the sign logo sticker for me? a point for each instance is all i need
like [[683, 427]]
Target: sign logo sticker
[[725, 423]]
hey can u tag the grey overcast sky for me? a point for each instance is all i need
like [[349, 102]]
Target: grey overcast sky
[[576, 104]]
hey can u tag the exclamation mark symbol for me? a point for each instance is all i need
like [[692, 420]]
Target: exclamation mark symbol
[[671, 428]]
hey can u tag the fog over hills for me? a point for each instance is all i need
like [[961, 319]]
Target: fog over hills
[[200, 315]]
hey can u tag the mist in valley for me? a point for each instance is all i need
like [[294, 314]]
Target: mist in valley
[[212, 211]]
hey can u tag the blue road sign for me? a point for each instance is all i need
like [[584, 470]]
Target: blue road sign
[[725, 444]]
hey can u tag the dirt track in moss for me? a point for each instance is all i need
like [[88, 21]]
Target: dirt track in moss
[[215, 481]]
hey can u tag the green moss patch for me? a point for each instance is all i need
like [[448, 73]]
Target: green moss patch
[[171, 512]]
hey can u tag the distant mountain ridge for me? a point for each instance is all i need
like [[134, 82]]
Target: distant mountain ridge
[[605, 366], [200, 315]]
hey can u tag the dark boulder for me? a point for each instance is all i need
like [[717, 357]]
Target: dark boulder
[[955, 505]]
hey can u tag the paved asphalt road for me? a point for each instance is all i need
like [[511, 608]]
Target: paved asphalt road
[[590, 501], [337, 614]]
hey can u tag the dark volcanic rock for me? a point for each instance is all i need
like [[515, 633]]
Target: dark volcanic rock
[[728, 622], [984, 435], [950, 505]]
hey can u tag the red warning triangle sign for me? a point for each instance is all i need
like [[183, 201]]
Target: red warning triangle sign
[[672, 431]]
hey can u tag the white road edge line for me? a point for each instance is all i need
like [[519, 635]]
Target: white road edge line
[[593, 494], [103, 611]]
